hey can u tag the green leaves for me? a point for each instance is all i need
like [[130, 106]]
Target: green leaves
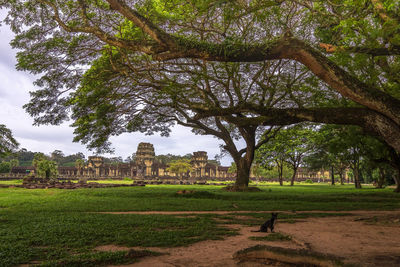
[[7, 142], [180, 167]]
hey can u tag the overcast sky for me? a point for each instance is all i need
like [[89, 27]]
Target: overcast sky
[[14, 93]]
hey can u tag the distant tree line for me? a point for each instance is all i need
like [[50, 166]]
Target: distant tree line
[[332, 148], [24, 157]]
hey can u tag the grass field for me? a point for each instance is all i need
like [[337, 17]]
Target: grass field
[[55, 227]]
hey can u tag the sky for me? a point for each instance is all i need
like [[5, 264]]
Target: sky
[[14, 93]]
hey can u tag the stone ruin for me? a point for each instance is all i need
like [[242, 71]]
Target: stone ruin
[[144, 168], [144, 160]]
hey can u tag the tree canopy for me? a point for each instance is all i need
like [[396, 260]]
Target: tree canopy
[[180, 167], [226, 68]]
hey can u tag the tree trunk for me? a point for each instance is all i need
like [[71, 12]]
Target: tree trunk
[[395, 162], [381, 179], [280, 173], [293, 176], [341, 178], [357, 182], [396, 178], [332, 176], [243, 172]]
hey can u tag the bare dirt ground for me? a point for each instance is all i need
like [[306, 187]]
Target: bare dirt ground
[[366, 238]]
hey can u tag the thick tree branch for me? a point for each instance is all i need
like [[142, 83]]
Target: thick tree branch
[[103, 36], [146, 25], [371, 121]]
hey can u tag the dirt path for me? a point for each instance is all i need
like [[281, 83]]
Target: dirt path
[[350, 237]]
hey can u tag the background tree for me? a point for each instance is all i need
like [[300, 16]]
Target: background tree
[[340, 147], [272, 155], [325, 156], [180, 167], [80, 164], [274, 171], [7, 142], [39, 156], [57, 156], [289, 145], [233, 168], [46, 169], [24, 157], [5, 167], [13, 163]]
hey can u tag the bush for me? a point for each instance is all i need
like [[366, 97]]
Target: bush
[[5, 167], [309, 181]]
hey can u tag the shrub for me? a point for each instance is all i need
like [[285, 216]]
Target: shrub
[[5, 167], [309, 181]]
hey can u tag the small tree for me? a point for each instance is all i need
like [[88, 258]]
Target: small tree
[[47, 169], [79, 164], [13, 163], [288, 146], [5, 167], [180, 167], [232, 168], [37, 158]]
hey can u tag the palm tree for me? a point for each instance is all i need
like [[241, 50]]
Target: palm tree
[[79, 164]]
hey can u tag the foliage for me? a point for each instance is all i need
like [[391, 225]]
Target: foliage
[[342, 147], [7, 142], [46, 168], [232, 168], [289, 146], [38, 157], [273, 172], [168, 158], [5, 167], [180, 167], [14, 163]]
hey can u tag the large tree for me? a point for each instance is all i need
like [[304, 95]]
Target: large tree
[[352, 46], [118, 95]]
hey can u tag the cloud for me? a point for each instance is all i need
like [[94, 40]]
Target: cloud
[[7, 56]]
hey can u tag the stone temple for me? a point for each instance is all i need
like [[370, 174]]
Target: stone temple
[[146, 167]]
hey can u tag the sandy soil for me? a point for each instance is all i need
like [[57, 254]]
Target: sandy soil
[[368, 238]]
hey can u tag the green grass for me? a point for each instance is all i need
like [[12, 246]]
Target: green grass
[[111, 181], [56, 227], [12, 182]]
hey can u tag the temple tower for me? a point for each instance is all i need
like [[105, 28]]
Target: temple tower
[[144, 159], [199, 162], [96, 162]]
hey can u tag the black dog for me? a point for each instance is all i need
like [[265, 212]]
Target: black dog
[[268, 224]]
